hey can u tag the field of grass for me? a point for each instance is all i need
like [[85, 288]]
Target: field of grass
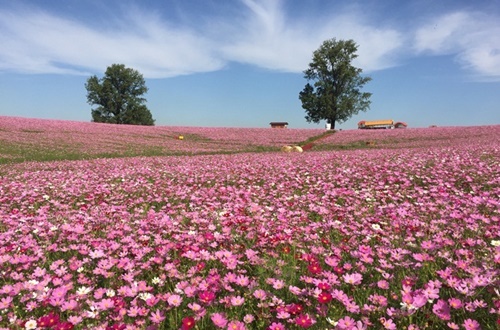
[[131, 228]]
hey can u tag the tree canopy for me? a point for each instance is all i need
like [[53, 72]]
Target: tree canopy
[[119, 97], [335, 94]]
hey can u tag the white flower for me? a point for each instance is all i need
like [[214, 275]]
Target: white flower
[[156, 280], [495, 242], [83, 291], [332, 322], [33, 282], [31, 324], [110, 293], [145, 295], [92, 313], [46, 197], [376, 226]]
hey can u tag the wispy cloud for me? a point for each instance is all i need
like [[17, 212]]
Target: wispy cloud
[[34, 41], [269, 39], [264, 34], [472, 37]]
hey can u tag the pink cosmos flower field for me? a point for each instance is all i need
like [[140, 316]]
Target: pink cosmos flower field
[[401, 234], [23, 139]]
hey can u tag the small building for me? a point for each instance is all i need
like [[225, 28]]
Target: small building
[[376, 124], [278, 124]]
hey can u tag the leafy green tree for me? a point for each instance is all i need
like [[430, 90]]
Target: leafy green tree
[[118, 96], [335, 93]]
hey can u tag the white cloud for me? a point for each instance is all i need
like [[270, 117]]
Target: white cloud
[[269, 39], [261, 33], [379, 47], [441, 34], [35, 41], [472, 37], [38, 42]]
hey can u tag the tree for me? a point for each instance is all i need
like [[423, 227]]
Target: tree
[[335, 94], [118, 96]]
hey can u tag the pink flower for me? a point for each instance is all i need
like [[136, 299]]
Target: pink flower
[[471, 324], [387, 323], [237, 301], [346, 323], [219, 320], [249, 318], [236, 325], [174, 300], [105, 304], [157, 317], [431, 292], [278, 284], [242, 280], [383, 284], [69, 305], [260, 294], [442, 310], [75, 319], [353, 279], [5, 302], [276, 326], [418, 301], [455, 303]]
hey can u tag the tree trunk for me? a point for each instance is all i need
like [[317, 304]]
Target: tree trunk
[[331, 121]]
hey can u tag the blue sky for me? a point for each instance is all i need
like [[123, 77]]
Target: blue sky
[[239, 62]]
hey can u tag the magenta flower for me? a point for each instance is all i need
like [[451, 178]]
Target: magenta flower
[[206, 296], [314, 268], [304, 321], [324, 297], [188, 323]]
